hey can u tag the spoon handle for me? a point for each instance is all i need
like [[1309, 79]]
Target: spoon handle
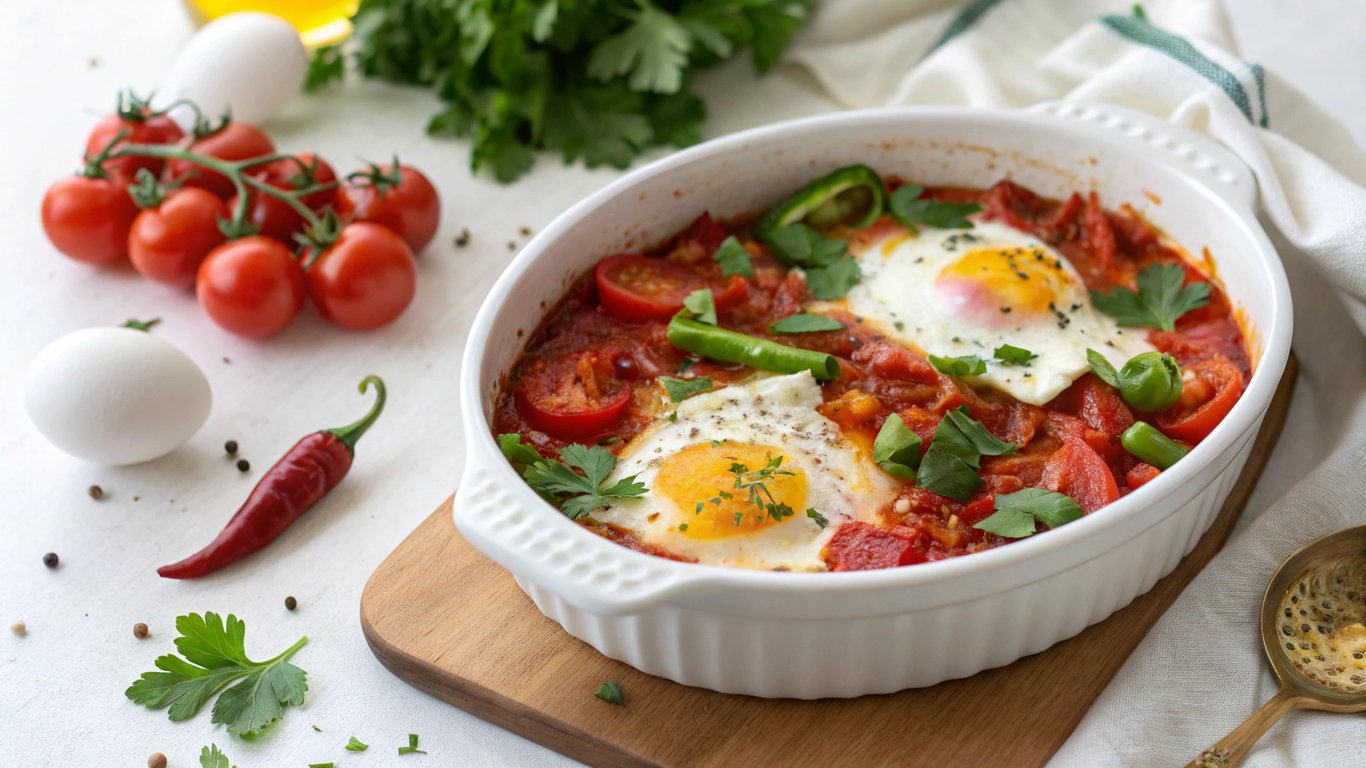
[[1233, 749]]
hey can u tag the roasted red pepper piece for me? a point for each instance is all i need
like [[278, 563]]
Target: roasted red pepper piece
[[312, 467]]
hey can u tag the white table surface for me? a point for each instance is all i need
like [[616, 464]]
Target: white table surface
[[61, 687]]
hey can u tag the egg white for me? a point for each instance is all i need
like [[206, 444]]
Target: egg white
[[780, 411]]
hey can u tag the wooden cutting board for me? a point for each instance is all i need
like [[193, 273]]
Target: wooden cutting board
[[449, 621]]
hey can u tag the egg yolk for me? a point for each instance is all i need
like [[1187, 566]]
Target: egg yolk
[[715, 487], [994, 287]]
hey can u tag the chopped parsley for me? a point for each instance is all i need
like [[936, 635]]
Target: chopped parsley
[[212, 757], [805, 324], [830, 271], [356, 745], [1009, 354], [820, 519], [682, 389], [1016, 512], [909, 209], [897, 449], [610, 692], [412, 746], [966, 365], [576, 493], [753, 483], [1161, 299], [949, 467], [700, 306], [733, 258], [1102, 368]]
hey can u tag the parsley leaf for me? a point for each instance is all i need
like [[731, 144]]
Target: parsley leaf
[[412, 746], [557, 481], [949, 467], [326, 66], [214, 656], [820, 519], [1016, 512], [700, 306], [909, 209], [733, 258], [212, 757], [1162, 298], [356, 745], [967, 365], [1102, 368], [834, 281], [653, 51], [610, 692], [1009, 354], [896, 448], [797, 245], [805, 324], [682, 389]]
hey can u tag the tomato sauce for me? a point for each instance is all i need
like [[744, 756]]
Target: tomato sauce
[[596, 363]]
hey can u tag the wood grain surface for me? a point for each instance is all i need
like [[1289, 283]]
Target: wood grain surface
[[449, 621]]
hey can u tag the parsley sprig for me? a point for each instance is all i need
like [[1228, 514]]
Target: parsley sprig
[[213, 656], [1016, 512], [1161, 299], [754, 484], [577, 484], [908, 209]]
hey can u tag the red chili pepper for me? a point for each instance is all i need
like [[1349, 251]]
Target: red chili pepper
[[312, 467]]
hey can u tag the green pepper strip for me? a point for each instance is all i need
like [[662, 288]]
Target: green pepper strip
[[820, 196], [731, 347], [350, 433], [1145, 442]]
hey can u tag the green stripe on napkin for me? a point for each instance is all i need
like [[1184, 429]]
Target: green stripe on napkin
[[962, 21]]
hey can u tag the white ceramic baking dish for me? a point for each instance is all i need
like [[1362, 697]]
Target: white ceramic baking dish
[[813, 635]]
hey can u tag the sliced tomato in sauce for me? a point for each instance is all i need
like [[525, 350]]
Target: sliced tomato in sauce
[[858, 546], [640, 289], [1208, 393], [1140, 474], [573, 396], [1077, 471]]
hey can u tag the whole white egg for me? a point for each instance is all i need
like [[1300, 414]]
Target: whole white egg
[[251, 63], [116, 395]]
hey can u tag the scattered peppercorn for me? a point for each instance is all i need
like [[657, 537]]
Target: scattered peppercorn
[[157, 760], [512, 246], [291, 603], [139, 630], [525, 231], [51, 560], [19, 628], [243, 465], [463, 239], [95, 492], [230, 447]]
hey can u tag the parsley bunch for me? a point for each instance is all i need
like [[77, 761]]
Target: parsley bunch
[[596, 80], [577, 484]]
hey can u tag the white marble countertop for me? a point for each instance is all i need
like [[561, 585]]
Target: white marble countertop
[[61, 686]]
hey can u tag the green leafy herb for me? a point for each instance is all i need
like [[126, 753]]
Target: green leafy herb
[[1016, 512], [356, 745], [212, 757], [700, 306], [805, 324], [557, 481], [610, 692], [830, 272], [140, 325], [949, 467], [820, 519], [897, 449], [754, 484], [910, 209], [682, 389], [733, 258], [1102, 367], [595, 80], [834, 281], [412, 746], [322, 765], [214, 657], [1009, 354], [1162, 298], [316, 728], [967, 365]]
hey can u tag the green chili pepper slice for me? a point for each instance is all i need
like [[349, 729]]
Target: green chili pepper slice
[[1145, 442], [835, 198], [732, 347]]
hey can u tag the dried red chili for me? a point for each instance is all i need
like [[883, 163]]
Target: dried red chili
[[311, 469]]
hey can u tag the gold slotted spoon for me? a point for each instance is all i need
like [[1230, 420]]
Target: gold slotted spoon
[[1313, 628]]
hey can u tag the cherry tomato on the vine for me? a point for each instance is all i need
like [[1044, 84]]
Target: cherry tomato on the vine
[[236, 141], [274, 217], [88, 218], [167, 243], [305, 170], [365, 279], [252, 287], [411, 207], [149, 128]]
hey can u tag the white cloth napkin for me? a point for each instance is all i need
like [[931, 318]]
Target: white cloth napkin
[[1201, 671]]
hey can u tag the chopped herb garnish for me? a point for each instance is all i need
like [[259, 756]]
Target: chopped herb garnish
[[322, 765], [140, 325], [1009, 354], [682, 526], [909, 209], [610, 692], [556, 481], [1102, 367], [682, 389], [215, 656], [820, 519], [1162, 298], [830, 272], [356, 745], [212, 757], [966, 365], [897, 449], [805, 324], [754, 483], [949, 467], [687, 363], [1016, 512], [316, 728], [412, 746], [673, 416], [733, 258], [700, 306]]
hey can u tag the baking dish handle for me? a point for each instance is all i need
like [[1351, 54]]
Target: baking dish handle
[[1199, 156], [505, 520]]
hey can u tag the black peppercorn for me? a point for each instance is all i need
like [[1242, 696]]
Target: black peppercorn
[[95, 492], [50, 560], [291, 603], [243, 465], [230, 447]]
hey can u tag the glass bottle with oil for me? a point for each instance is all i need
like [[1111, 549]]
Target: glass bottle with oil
[[320, 22]]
